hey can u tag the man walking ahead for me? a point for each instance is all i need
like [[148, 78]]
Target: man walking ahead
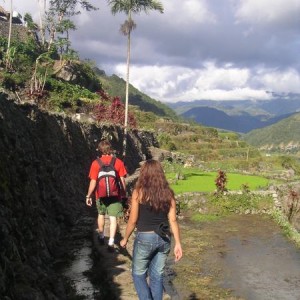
[[107, 201]]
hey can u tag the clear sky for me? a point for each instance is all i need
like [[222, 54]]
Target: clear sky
[[196, 49]]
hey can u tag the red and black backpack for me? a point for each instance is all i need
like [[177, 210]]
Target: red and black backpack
[[108, 183]]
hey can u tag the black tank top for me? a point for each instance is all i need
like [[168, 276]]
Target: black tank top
[[149, 219]]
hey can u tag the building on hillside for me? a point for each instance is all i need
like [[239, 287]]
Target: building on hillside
[[19, 31], [5, 15]]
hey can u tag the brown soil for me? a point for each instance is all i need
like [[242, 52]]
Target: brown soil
[[118, 264], [236, 257]]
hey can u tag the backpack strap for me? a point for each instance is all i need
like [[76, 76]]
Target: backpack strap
[[113, 161], [101, 163]]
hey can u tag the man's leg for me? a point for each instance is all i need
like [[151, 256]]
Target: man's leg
[[101, 223], [115, 210], [112, 230]]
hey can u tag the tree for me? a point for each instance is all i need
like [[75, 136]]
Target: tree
[[8, 52], [130, 7], [57, 13], [42, 12], [65, 26]]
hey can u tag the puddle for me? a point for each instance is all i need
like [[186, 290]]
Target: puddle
[[238, 257], [256, 261], [262, 268], [75, 272]]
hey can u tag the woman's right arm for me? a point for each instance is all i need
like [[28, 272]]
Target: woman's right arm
[[175, 230]]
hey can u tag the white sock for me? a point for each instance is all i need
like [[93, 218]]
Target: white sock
[[111, 241]]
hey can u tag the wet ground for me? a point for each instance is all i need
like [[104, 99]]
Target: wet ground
[[236, 257]]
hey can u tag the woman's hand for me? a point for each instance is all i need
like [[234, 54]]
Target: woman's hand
[[123, 243], [177, 252]]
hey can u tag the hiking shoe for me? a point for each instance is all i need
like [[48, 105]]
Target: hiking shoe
[[110, 248], [101, 240]]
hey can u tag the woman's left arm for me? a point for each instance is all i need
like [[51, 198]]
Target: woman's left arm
[[134, 212], [175, 230]]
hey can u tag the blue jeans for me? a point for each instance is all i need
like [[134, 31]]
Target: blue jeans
[[150, 253]]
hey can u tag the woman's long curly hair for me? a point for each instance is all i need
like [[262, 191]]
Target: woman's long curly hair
[[153, 188]]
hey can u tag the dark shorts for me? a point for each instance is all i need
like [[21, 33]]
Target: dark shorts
[[110, 206]]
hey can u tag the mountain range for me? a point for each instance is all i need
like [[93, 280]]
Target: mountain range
[[239, 115], [284, 136]]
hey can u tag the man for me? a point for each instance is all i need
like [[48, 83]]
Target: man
[[111, 206]]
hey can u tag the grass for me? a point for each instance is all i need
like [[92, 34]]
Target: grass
[[197, 181], [197, 217]]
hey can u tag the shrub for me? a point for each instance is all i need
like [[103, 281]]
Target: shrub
[[112, 110], [233, 203], [221, 181]]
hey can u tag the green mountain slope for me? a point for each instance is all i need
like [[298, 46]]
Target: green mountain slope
[[284, 135], [115, 86]]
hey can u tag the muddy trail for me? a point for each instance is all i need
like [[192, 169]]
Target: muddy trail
[[236, 257]]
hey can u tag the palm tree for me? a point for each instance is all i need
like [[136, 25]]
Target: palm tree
[[130, 7], [9, 35]]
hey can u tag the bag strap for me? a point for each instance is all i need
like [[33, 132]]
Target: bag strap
[[112, 162], [100, 162]]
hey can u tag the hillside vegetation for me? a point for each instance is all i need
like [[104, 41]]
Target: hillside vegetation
[[282, 136], [64, 83], [115, 86]]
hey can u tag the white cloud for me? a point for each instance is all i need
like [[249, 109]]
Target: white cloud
[[267, 11], [197, 49], [221, 77], [171, 84], [187, 12], [281, 81]]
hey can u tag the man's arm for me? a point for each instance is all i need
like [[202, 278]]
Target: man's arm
[[90, 191]]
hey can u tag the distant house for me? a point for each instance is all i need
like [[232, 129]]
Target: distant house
[[19, 32], [5, 15]]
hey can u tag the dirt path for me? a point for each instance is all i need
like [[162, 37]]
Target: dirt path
[[118, 265], [238, 257]]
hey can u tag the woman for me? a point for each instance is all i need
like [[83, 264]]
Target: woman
[[153, 209]]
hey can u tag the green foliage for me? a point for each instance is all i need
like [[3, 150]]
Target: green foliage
[[202, 218], [64, 95], [290, 162], [288, 229], [13, 81], [86, 76], [115, 86], [196, 180], [23, 54], [232, 203], [165, 142], [281, 136]]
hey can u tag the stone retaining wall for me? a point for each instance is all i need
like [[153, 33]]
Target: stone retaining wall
[[44, 165], [19, 32]]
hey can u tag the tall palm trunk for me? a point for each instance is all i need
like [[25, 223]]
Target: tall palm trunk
[[126, 97], [42, 10], [127, 89], [9, 35]]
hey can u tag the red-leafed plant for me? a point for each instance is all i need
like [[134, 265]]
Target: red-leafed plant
[[112, 110], [221, 182]]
